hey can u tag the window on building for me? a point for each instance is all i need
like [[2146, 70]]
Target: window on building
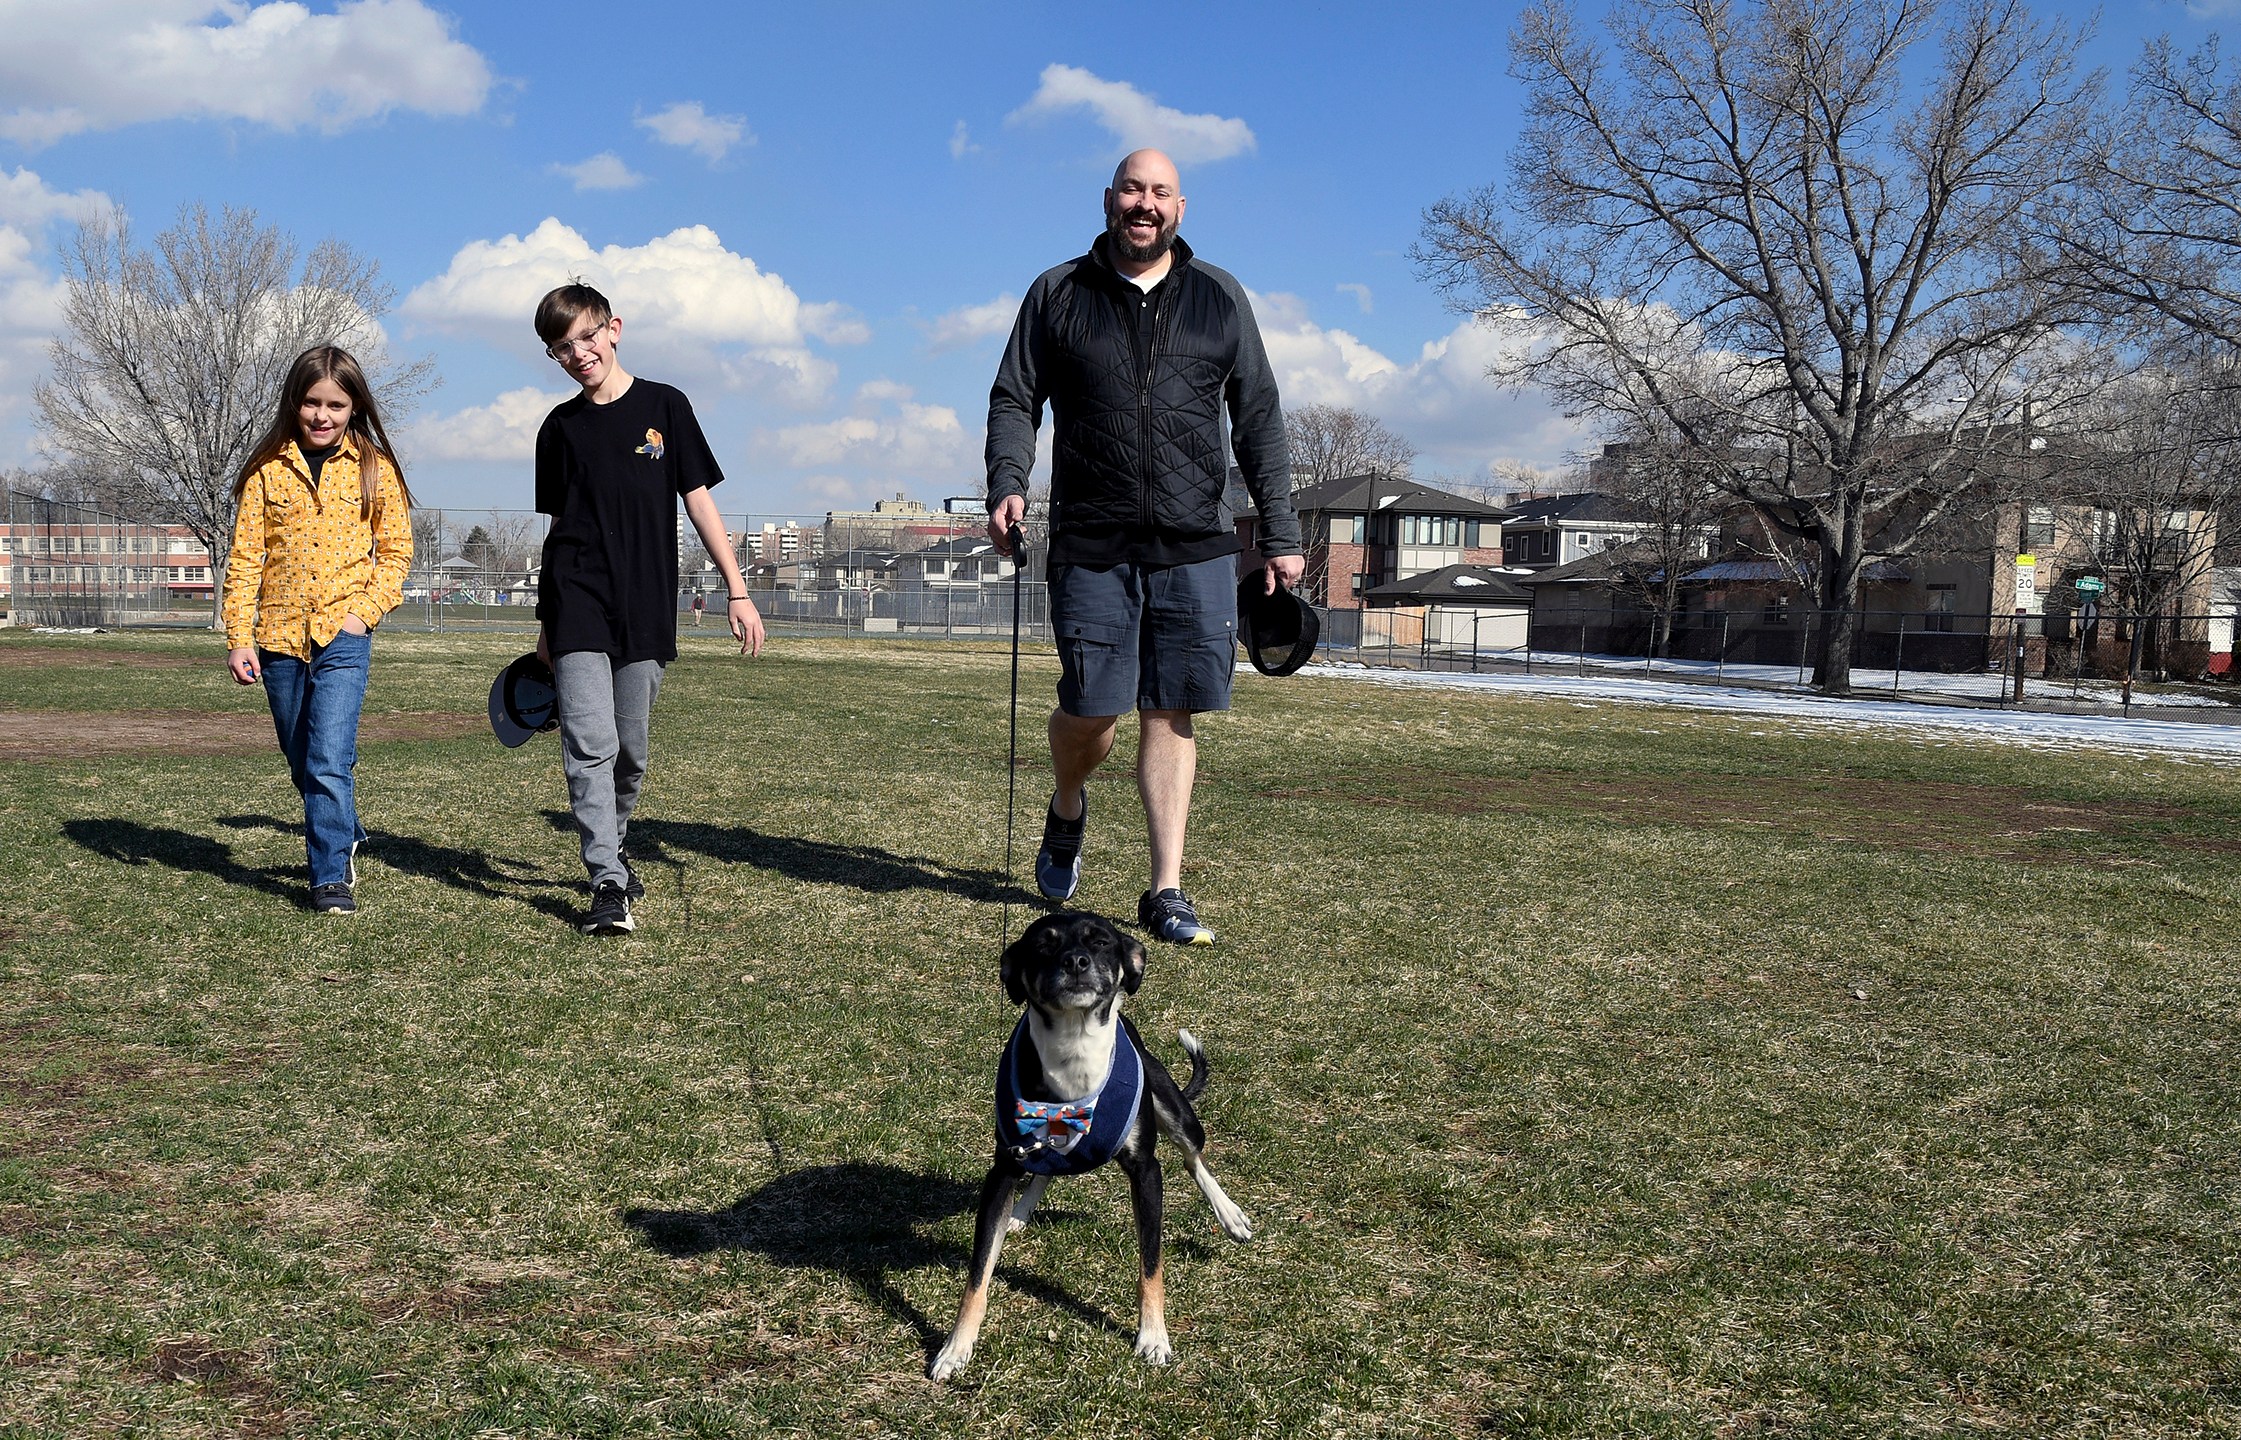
[[2038, 528], [1472, 530], [1940, 617], [1361, 583], [1778, 610]]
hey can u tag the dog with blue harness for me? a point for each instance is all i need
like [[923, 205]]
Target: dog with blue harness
[[1076, 1088]]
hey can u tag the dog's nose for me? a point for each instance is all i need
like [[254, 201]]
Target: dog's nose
[[1078, 961]]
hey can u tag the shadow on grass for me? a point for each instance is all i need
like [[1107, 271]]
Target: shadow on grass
[[470, 870], [860, 1221], [128, 842], [861, 867]]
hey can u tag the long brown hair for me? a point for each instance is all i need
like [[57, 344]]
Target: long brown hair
[[329, 362]]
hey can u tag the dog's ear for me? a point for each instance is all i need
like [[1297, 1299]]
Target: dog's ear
[[1132, 964], [1015, 984]]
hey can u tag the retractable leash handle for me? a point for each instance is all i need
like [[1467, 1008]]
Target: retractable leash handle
[[1018, 539]]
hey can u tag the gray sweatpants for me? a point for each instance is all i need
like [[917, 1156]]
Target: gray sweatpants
[[604, 713]]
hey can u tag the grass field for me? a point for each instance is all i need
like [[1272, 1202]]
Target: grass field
[[1585, 1071]]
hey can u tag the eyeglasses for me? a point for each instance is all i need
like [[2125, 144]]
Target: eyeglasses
[[565, 350]]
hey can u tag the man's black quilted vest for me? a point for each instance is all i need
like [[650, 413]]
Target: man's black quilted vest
[[1138, 408]]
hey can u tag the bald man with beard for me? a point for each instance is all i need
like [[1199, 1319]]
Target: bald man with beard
[[1139, 348]]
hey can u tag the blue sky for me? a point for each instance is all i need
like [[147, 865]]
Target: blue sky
[[817, 219]]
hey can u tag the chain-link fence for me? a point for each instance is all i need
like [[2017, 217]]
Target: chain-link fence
[[1919, 653], [981, 611], [70, 563]]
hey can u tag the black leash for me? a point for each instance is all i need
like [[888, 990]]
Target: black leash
[[1018, 538]]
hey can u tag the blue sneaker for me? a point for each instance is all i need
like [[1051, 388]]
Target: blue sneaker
[[1170, 916], [1058, 864]]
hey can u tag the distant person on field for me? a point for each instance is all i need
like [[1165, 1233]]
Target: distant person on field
[[322, 537], [612, 463], [1139, 347]]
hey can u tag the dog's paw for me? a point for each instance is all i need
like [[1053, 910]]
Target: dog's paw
[[952, 1360], [1154, 1349], [1013, 1224], [1234, 1223]]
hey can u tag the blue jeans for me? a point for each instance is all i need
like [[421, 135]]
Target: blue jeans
[[315, 706]]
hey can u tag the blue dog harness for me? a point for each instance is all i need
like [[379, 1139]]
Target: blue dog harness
[[1068, 1137]]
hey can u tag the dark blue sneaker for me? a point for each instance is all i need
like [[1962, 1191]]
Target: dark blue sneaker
[[1058, 864], [334, 899], [1170, 916]]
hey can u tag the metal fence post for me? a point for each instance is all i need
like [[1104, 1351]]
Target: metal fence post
[[1719, 663], [1898, 654]]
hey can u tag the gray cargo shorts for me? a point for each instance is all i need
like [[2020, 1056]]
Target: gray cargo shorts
[[1145, 637]]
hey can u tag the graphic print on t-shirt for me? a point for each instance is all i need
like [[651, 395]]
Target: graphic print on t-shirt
[[653, 444]]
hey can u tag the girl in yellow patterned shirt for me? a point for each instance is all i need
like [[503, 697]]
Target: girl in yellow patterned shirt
[[322, 537]]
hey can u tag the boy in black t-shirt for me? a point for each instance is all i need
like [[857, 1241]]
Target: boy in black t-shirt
[[612, 463]]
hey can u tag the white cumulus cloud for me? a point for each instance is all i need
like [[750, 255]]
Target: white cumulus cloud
[[689, 305], [504, 430], [968, 323], [887, 433], [1135, 118], [27, 200], [87, 65], [1442, 400], [689, 126], [961, 142], [30, 313], [604, 171], [31, 294]]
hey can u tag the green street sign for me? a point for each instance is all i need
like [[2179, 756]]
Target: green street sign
[[2090, 584]]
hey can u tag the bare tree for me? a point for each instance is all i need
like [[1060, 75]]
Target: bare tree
[[1331, 442], [171, 359], [2159, 466], [1783, 215], [1673, 489], [513, 540], [2158, 241], [432, 534]]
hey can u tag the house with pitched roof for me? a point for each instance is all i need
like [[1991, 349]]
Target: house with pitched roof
[[1456, 607], [1363, 531]]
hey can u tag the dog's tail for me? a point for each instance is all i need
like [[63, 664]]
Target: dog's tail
[[1197, 1052]]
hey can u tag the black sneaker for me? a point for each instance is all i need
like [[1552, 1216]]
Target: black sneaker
[[610, 912], [1170, 916], [334, 899], [634, 889], [1058, 864]]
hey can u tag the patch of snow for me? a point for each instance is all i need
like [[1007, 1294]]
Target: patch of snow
[[2112, 734]]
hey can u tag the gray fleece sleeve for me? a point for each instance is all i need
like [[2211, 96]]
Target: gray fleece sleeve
[[1256, 431], [1015, 402]]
